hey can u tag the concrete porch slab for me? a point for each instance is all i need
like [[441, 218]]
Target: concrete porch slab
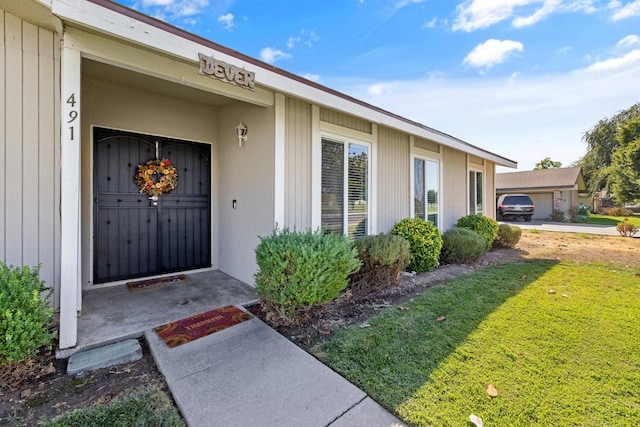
[[114, 314]]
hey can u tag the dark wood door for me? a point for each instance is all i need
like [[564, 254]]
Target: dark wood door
[[133, 236]]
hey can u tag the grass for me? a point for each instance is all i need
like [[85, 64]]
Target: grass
[[149, 407], [555, 360], [611, 220]]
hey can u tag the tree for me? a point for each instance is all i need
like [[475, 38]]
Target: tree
[[601, 143], [547, 163], [625, 164]]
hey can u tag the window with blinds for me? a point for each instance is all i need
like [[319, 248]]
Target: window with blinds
[[345, 188], [476, 192], [426, 189]]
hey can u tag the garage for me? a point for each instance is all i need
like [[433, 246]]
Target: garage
[[543, 203]]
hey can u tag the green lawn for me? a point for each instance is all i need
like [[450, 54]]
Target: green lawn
[[151, 408], [612, 220], [565, 359]]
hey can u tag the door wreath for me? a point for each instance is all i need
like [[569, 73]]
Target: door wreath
[[157, 176]]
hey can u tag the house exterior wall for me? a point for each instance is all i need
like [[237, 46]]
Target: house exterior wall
[[111, 105], [490, 189], [30, 148], [345, 120], [298, 126], [393, 160], [245, 174], [454, 178]]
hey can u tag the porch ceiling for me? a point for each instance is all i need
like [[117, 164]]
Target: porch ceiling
[[136, 80]]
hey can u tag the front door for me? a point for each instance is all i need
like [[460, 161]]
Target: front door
[[135, 235]]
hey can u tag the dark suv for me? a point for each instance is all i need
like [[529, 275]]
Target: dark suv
[[515, 206]]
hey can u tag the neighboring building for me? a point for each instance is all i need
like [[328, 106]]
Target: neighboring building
[[92, 90], [550, 189]]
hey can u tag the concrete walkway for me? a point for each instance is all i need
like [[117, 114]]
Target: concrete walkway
[[250, 375], [568, 227]]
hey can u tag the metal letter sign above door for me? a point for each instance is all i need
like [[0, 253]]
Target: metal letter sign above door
[[135, 235], [227, 73]]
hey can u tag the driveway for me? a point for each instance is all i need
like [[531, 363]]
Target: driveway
[[566, 227]]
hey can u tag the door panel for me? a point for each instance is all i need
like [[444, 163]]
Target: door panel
[[133, 237]]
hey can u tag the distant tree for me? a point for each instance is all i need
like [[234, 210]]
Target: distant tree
[[601, 143], [625, 164], [547, 163]]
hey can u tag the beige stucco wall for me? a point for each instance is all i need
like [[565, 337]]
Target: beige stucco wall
[[246, 175], [393, 164], [30, 147], [110, 105]]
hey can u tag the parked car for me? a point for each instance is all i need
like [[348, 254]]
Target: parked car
[[512, 206]]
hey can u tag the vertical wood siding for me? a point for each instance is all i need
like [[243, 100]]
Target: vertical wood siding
[[490, 189], [393, 178], [345, 120], [29, 147], [297, 164], [454, 181]]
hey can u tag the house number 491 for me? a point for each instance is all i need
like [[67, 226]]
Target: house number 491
[[73, 116]]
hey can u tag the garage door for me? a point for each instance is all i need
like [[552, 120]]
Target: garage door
[[543, 203]]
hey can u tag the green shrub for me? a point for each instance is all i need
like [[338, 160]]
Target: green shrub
[[508, 236], [25, 317], [460, 245], [618, 211], [383, 258], [297, 270], [626, 229], [485, 226], [557, 216], [424, 240]]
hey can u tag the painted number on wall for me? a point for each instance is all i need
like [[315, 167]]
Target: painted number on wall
[[73, 116]]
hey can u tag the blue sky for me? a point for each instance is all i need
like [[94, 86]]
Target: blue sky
[[522, 78]]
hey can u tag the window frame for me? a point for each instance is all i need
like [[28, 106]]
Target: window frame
[[346, 141], [426, 159], [474, 190]]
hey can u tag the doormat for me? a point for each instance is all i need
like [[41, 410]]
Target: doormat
[[160, 282], [200, 325]]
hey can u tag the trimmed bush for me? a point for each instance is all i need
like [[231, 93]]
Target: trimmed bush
[[383, 258], [460, 245], [557, 216], [298, 270], [25, 317], [485, 226], [425, 243], [618, 211], [626, 229], [508, 236]]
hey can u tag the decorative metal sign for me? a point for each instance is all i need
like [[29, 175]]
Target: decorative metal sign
[[227, 73]]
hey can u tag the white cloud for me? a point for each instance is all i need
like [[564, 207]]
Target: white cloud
[[628, 41], [629, 60], [547, 8], [380, 89], [492, 52], [614, 4], [477, 14], [292, 41], [626, 11], [404, 3], [432, 23], [226, 20], [271, 55], [521, 117], [175, 8]]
